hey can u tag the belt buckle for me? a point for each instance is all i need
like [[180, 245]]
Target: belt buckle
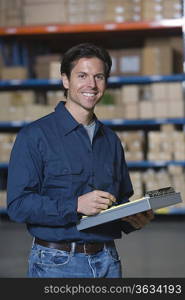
[[85, 249]]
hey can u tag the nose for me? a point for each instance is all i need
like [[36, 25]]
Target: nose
[[92, 82]]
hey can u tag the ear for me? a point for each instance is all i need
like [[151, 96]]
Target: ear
[[65, 81]]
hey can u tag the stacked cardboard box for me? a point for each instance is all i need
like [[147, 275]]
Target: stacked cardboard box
[[14, 72], [48, 66], [137, 182], [155, 179], [161, 9], [166, 55], [126, 62], [44, 12], [11, 12], [167, 144], [120, 11], [130, 101], [3, 202], [54, 97], [177, 175], [94, 11], [6, 144], [133, 144]]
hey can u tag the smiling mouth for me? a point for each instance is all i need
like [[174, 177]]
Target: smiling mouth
[[89, 94]]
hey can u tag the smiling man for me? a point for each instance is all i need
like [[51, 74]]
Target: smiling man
[[69, 164]]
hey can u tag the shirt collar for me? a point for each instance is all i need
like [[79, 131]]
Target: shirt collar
[[66, 120]]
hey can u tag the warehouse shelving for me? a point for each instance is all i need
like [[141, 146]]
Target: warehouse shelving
[[172, 26], [111, 123], [138, 164], [113, 81], [101, 27]]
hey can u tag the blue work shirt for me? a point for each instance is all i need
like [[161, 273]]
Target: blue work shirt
[[52, 163]]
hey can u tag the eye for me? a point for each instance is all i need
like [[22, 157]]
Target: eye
[[81, 75], [100, 76]]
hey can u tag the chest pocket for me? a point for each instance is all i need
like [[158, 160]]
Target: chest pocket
[[109, 180], [60, 174]]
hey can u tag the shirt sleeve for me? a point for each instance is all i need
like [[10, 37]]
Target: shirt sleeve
[[25, 202]]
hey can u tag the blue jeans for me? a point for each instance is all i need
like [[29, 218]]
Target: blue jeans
[[49, 262]]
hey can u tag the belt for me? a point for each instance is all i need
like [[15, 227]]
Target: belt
[[87, 248]]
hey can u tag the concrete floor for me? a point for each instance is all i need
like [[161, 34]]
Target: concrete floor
[[155, 251]]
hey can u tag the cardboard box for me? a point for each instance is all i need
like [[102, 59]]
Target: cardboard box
[[130, 93], [131, 110], [160, 109], [11, 4], [130, 62], [146, 109], [48, 66], [115, 63], [44, 14], [109, 112], [176, 109], [42, 1], [19, 73], [161, 54]]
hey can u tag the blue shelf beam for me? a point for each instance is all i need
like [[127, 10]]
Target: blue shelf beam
[[154, 164], [121, 80], [144, 122], [112, 123], [112, 81], [138, 164]]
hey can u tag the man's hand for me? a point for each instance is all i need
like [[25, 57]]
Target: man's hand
[[140, 220], [94, 202]]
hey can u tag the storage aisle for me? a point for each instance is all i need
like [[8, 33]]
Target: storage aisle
[[155, 251]]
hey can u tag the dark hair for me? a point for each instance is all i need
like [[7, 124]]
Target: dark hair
[[84, 50]]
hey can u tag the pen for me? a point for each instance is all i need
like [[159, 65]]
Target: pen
[[94, 188]]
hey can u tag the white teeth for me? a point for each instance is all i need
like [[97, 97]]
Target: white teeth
[[88, 94]]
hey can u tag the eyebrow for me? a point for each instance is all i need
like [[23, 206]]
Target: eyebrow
[[81, 72]]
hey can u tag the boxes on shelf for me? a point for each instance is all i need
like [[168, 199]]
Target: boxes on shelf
[[130, 93], [163, 55], [161, 9], [6, 143], [131, 111], [54, 97], [48, 66], [11, 12], [17, 98], [137, 182], [44, 13], [115, 62], [76, 11], [133, 144], [109, 111], [36, 111], [130, 61], [121, 11], [14, 72], [3, 196], [146, 109]]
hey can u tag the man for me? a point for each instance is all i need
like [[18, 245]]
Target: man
[[68, 164]]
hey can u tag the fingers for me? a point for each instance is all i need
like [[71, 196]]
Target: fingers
[[105, 195], [141, 219], [133, 221], [149, 214], [93, 202]]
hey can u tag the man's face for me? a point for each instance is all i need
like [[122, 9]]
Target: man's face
[[86, 84]]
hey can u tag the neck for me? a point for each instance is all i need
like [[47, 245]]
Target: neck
[[80, 114]]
